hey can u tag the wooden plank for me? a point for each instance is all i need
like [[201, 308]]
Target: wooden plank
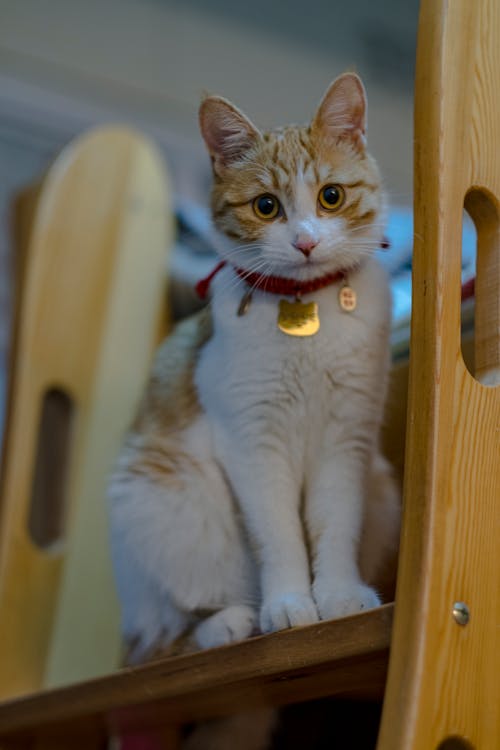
[[92, 288], [443, 677], [340, 657], [83, 740]]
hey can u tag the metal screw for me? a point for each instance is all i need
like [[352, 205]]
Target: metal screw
[[461, 613]]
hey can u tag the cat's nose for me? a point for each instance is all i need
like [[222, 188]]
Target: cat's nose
[[305, 244]]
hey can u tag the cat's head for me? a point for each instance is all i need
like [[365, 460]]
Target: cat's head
[[297, 202]]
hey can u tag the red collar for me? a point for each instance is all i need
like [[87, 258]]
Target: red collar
[[288, 287], [272, 284]]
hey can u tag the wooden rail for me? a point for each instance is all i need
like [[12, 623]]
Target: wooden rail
[[346, 657]]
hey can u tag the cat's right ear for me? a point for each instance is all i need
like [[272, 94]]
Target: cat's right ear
[[227, 132]]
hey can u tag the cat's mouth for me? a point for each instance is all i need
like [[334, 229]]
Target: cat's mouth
[[304, 267]]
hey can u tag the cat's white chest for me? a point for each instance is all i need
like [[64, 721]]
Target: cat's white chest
[[251, 365]]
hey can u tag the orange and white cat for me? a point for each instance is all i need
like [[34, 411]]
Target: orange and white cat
[[251, 494]]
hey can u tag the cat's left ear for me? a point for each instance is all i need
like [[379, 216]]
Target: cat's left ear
[[342, 112]]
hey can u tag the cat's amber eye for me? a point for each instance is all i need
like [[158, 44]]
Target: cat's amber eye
[[266, 206], [331, 197]]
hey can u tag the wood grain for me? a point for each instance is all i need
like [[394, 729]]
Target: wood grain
[[443, 678], [342, 657], [93, 282]]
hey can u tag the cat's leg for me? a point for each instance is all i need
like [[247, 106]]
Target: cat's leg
[[178, 546], [269, 495], [249, 731], [334, 513]]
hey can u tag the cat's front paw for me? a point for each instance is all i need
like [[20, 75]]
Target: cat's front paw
[[229, 625], [286, 611], [346, 599]]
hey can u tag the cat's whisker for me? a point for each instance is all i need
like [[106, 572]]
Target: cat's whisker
[[362, 242], [364, 227], [243, 249], [234, 283], [245, 246], [355, 231], [378, 223], [247, 251], [258, 282], [239, 279], [262, 268]]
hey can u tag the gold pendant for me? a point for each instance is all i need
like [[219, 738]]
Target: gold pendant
[[347, 298], [297, 319]]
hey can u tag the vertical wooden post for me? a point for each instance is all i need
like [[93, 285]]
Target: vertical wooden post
[[443, 686]]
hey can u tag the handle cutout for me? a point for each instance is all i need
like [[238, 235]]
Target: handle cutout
[[467, 309], [47, 515], [484, 364], [455, 743]]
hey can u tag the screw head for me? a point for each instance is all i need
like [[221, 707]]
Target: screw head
[[461, 613]]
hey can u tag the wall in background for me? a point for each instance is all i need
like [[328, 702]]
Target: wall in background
[[149, 60]]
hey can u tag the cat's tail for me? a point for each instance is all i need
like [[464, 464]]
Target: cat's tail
[[381, 525]]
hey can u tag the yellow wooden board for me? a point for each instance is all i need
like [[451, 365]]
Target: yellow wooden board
[[93, 294], [444, 676]]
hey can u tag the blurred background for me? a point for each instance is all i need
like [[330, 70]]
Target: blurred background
[[66, 65]]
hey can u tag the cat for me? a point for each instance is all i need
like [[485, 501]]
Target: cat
[[251, 494]]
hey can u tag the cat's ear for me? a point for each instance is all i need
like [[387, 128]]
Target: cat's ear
[[342, 112], [227, 132]]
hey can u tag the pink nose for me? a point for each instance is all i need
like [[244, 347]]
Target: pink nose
[[306, 246]]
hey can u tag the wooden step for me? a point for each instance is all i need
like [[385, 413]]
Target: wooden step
[[346, 657]]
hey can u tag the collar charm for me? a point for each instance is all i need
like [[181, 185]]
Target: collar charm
[[297, 318], [347, 297]]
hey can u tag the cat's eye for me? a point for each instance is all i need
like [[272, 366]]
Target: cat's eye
[[266, 206], [331, 197]]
